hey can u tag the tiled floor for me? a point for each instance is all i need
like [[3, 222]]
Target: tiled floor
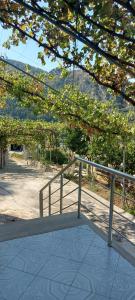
[[70, 264]]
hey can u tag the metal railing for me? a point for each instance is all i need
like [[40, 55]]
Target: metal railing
[[113, 175]]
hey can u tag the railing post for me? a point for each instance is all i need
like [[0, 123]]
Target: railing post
[[41, 204], [79, 189], [61, 193], [111, 211], [49, 199]]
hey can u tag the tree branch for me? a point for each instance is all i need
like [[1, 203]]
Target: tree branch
[[99, 25], [71, 62], [33, 94], [68, 114], [126, 5], [86, 123], [79, 36]]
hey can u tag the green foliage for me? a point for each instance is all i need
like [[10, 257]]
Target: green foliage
[[3, 141], [77, 141], [87, 118], [130, 211], [70, 106], [27, 132], [130, 157], [104, 29], [108, 150], [56, 156]]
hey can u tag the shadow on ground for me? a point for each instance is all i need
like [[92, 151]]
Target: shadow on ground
[[4, 219], [121, 226], [14, 171], [5, 189]]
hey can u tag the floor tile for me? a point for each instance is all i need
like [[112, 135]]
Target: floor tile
[[99, 242], [102, 258], [74, 249], [9, 248], [15, 242], [123, 287], [44, 243], [44, 289], [60, 269], [13, 283], [29, 261], [8, 252], [94, 280], [6, 259], [125, 267], [78, 294], [69, 264], [77, 233]]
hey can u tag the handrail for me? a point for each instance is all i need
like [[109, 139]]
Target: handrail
[[57, 175], [91, 163], [113, 175], [107, 169]]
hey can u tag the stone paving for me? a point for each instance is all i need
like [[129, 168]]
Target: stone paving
[[69, 264]]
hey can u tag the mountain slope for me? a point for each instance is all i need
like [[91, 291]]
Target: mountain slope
[[79, 79]]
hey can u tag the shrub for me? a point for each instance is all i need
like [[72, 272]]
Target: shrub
[[57, 157]]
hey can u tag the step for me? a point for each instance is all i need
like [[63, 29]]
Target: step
[[25, 228], [40, 225]]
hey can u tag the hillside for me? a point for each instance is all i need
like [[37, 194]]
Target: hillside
[[22, 66], [81, 80]]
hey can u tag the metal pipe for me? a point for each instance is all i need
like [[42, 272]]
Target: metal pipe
[[41, 204], [98, 166], [106, 169], [61, 193], [49, 200], [57, 175], [124, 168], [79, 189], [111, 211]]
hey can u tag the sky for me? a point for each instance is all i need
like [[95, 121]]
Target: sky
[[24, 53]]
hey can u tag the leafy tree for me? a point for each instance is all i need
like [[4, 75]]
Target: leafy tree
[[77, 141], [108, 150], [95, 36], [74, 108], [57, 156], [130, 157]]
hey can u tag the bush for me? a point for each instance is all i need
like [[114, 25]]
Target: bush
[[57, 157]]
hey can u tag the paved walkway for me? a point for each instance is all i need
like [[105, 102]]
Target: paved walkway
[[69, 264], [19, 187]]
